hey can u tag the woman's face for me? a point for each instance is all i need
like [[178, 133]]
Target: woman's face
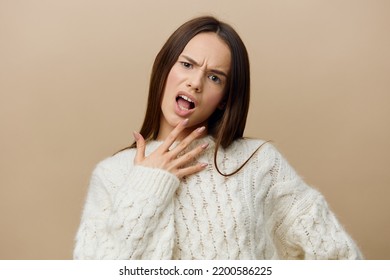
[[196, 83]]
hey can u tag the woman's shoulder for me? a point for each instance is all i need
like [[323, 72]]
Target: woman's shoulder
[[257, 147], [116, 165], [257, 154], [121, 162], [266, 156]]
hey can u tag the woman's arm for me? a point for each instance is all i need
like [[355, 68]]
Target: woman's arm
[[318, 234], [134, 223], [303, 226], [306, 228]]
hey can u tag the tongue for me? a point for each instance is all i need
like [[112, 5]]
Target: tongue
[[184, 103]]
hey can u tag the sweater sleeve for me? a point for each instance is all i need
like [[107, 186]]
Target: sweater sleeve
[[131, 221], [303, 226], [317, 234]]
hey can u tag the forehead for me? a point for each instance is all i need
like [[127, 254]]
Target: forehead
[[209, 49]]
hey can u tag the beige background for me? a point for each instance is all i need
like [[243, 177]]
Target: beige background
[[73, 83]]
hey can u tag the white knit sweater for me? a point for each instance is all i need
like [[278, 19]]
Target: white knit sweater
[[265, 211]]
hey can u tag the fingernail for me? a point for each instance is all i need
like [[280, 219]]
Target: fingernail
[[185, 122], [205, 145], [204, 165], [201, 129], [136, 135]]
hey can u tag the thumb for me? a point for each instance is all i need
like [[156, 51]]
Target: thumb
[[140, 154]]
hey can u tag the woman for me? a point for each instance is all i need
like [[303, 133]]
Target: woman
[[191, 187]]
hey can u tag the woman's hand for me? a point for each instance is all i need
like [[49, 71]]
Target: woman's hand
[[169, 160]]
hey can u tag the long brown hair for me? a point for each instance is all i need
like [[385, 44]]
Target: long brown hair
[[224, 125]]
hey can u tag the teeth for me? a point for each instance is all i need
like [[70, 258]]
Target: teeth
[[186, 98], [182, 108]]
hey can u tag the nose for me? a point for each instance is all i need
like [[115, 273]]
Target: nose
[[195, 82]]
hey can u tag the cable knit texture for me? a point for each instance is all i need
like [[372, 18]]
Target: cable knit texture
[[265, 211]]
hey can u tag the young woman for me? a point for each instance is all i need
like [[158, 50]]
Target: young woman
[[191, 187]]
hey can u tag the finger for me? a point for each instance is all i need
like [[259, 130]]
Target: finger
[[140, 152], [172, 136], [180, 173], [187, 141], [190, 156]]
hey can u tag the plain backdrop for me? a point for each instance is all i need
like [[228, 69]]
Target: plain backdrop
[[74, 77]]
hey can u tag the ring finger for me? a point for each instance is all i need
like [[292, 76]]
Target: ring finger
[[187, 141], [190, 156]]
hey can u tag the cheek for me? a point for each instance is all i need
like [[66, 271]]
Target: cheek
[[214, 99], [173, 77], [170, 85]]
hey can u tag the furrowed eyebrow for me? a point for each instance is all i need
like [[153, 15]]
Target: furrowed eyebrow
[[216, 71]]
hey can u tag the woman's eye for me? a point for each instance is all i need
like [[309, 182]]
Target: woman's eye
[[186, 64], [215, 79]]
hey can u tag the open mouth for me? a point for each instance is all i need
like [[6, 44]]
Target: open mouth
[[185, 103]]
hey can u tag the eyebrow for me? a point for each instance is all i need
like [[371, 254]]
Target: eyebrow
[[216, 71]]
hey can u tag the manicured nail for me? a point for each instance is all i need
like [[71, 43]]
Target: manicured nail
[[185, 122], [201, 129], [205, 145], [136, 135], [203, 165]]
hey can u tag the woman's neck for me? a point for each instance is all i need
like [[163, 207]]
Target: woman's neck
[[164, 131]]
